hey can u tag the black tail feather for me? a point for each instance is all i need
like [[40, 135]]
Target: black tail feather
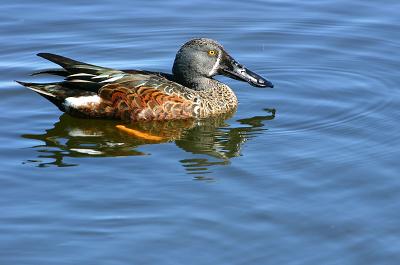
[[57, 92], [44, 91], [60, 60], [58, 72], [72, 66]]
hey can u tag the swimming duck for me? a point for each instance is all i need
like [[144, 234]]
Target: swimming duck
[[133, 95]]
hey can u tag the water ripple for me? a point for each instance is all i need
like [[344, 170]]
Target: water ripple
[[326, 97]]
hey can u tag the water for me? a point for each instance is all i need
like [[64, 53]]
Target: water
[[304, 173]]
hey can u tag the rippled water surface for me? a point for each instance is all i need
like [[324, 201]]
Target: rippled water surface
[[304, 173]]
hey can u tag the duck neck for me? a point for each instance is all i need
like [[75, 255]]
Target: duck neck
[[196, 83]]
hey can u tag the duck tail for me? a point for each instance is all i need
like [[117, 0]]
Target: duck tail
[[80, 79], [50, 91], [56, 92]]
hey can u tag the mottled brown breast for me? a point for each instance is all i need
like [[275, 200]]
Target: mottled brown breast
[[145, 102]]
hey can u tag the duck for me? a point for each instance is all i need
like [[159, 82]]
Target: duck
[[190, 91]]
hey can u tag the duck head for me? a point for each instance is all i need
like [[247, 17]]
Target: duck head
[[200, 59]]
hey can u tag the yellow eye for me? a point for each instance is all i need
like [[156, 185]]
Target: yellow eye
[[212, 52]]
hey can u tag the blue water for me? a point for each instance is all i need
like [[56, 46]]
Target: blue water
[[304, 173]]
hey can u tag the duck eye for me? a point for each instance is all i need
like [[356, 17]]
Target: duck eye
[[212, 52]]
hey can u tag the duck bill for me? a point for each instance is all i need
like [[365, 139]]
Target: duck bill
[[233, 69]]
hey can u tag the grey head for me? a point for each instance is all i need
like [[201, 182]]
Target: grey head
[[198, 60]]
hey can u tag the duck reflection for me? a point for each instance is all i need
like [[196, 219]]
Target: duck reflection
[[214, 138]]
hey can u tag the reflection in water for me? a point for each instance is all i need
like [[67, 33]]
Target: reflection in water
[[213, 138]]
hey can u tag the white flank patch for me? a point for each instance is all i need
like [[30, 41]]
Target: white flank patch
[[79, 102], [215, 67]]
